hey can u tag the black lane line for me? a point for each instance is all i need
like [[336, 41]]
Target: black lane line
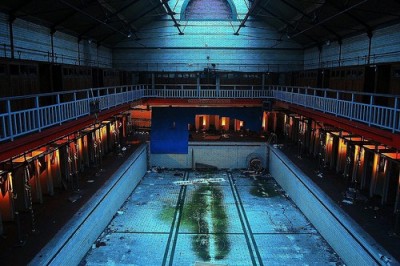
[[179, 221], [178, 209], [253, 260], [249, 228]]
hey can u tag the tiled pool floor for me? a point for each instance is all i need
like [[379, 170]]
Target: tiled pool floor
[[243, 220]]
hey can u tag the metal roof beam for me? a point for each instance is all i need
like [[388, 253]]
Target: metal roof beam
[[368, 27], [344, 11], [135, 19], [284, 21], [251, 9], [16, 9], [309, 17], [113, 14], [116, 13], [58, 23], [171, 14], [92, 17]]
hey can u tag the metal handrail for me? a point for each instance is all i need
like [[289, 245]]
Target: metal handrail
[[22, 115]]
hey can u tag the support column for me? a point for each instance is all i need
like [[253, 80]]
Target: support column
[[52, 44], [79, 52], [340, 52], [263, 81], [397, 207], [198, 85], [369, 33], [10, 26], [153, 80], [217, 84]]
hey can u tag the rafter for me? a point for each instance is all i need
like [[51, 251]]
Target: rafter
[[171, 14], [18, 8], [251, 9], [309, 17], [70, 15], [135, 19], [345, 11], [92, 17], [284, 21]]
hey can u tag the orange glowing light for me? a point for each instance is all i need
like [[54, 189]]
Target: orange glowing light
[[354, 139], [395, 156], [373, 147]]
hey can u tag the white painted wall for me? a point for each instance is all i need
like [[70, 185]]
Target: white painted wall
[[345, 236], [385, 48], [74, 240], [231, 155], [33, 42], [160, 48]]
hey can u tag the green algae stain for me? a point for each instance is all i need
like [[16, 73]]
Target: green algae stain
[[195, 216], [167, 214], [205, 201]]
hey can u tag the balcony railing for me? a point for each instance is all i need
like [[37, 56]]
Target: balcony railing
[[26, 114], [379, 110]]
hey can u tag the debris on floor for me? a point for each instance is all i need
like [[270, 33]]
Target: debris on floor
[[100, 244], [199, 181], [74, 197]]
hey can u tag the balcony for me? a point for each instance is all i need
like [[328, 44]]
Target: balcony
[[33, 113]]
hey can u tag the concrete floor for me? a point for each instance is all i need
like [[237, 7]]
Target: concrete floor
[[243, 220]]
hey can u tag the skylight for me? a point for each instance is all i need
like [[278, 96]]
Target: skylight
[[209, 10]]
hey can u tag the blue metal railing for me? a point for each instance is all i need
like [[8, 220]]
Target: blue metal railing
[[27, 114], [380, 110]]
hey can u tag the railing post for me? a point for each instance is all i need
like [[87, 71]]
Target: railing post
[[217, 85], [37, 111], [115, 96], [291, 96], [10, 127], [396, 114], [59, 108], [325, 96], [75, 107], [371, 103], [337, 103], [181, 91], [165, 91], [108, 98], [198, 85], [351, 106], [88, 100]]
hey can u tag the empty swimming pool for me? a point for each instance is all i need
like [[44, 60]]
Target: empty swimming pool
[[224, 218]]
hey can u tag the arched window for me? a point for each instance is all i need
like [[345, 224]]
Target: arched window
[[208, 10]]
